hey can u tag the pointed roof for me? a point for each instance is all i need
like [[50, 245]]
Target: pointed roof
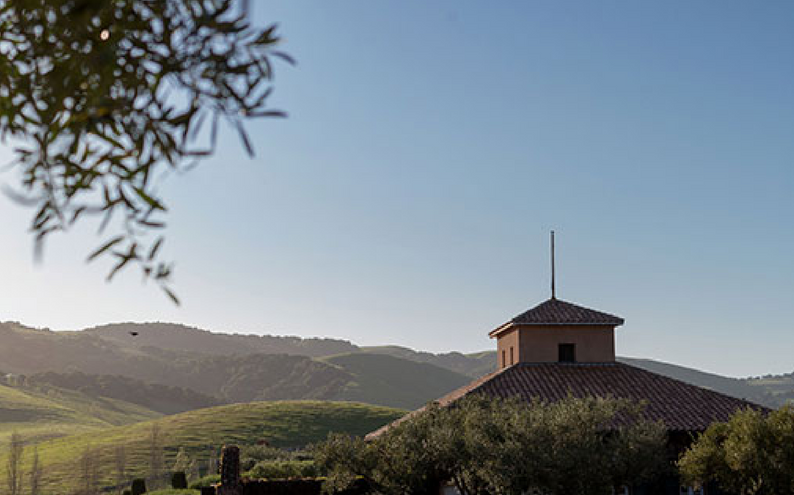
[[680, 406], [559, 312]]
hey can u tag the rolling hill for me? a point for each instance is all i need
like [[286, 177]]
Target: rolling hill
[[43, 412], [175, 337], [224, 378], [160, 398], [391, 381], [238, 368], [201, 433]]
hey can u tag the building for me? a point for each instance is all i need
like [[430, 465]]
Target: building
[[558, 349]]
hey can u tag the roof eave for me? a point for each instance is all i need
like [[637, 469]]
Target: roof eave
[[510, 324]]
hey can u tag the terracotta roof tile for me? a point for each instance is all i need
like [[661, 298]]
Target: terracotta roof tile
[[559, 312], [680, 406]]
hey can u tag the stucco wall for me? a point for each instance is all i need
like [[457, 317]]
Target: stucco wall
[[594, 344], [504, 343]]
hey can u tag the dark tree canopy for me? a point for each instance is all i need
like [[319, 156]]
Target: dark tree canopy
[[101, 96], [752, 454], [504, 447]]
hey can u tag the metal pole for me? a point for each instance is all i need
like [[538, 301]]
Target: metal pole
[[553, 291]]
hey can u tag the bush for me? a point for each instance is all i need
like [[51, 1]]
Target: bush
[[126, 492], [283, 470], [205, 481], [138, 486], [173, 491], [179, 480]]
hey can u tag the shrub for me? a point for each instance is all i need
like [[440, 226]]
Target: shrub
[[283, 470], [205, 481], [179, 480], [138, 486]]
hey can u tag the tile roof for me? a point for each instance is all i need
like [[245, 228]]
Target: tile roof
[[680, 406], [558, 312]]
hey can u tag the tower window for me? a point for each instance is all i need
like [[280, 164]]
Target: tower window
[[567, 353]]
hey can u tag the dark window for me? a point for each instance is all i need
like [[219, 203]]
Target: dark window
[[567, 353], [504, 358], [511, 355]]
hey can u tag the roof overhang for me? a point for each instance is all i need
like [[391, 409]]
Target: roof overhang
[[510, 325]]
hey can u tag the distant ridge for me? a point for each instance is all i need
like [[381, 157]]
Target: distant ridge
[[283, 367]]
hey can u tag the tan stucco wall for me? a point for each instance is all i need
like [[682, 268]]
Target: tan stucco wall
[[594, 344], [504, 343]]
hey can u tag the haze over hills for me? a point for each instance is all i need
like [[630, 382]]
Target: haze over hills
[[230, 368], [230, 372]]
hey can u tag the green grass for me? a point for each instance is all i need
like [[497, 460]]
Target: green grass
[[45, 412], [281, 423]]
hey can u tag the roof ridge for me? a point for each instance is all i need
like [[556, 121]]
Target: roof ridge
[[559, 312]]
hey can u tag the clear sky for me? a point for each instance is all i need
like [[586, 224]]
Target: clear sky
[[430, 148]]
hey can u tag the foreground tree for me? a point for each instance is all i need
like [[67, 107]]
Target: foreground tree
[[505, 447], [100, 97], [752, 454]]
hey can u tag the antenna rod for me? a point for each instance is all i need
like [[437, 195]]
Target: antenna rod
[[553, 292]]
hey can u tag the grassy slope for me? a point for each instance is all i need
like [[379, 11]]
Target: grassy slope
[[283, 424], [395, 382], [47, 412]]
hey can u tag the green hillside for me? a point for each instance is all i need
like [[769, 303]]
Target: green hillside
[[200, 432], [391, 381], [40, 413]]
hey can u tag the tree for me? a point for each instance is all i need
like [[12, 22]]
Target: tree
[[751, 454], [100, 97], [35, 473], [89, 472], [499, 446], [182, 462], [14, 464], [156, 463], [120, 464]]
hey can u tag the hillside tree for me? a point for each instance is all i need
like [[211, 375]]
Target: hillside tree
[[156, 461], [35, 473], [182, 462], [120, 465], [102, 98], [14, 464], [88, 483]]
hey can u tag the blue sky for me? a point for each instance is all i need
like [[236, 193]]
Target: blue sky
[[430, 148]]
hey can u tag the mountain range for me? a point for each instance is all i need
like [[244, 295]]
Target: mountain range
[[169, 368]]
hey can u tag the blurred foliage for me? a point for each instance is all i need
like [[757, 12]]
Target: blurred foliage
[[101, 97], [752, 453], [496, 446]]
